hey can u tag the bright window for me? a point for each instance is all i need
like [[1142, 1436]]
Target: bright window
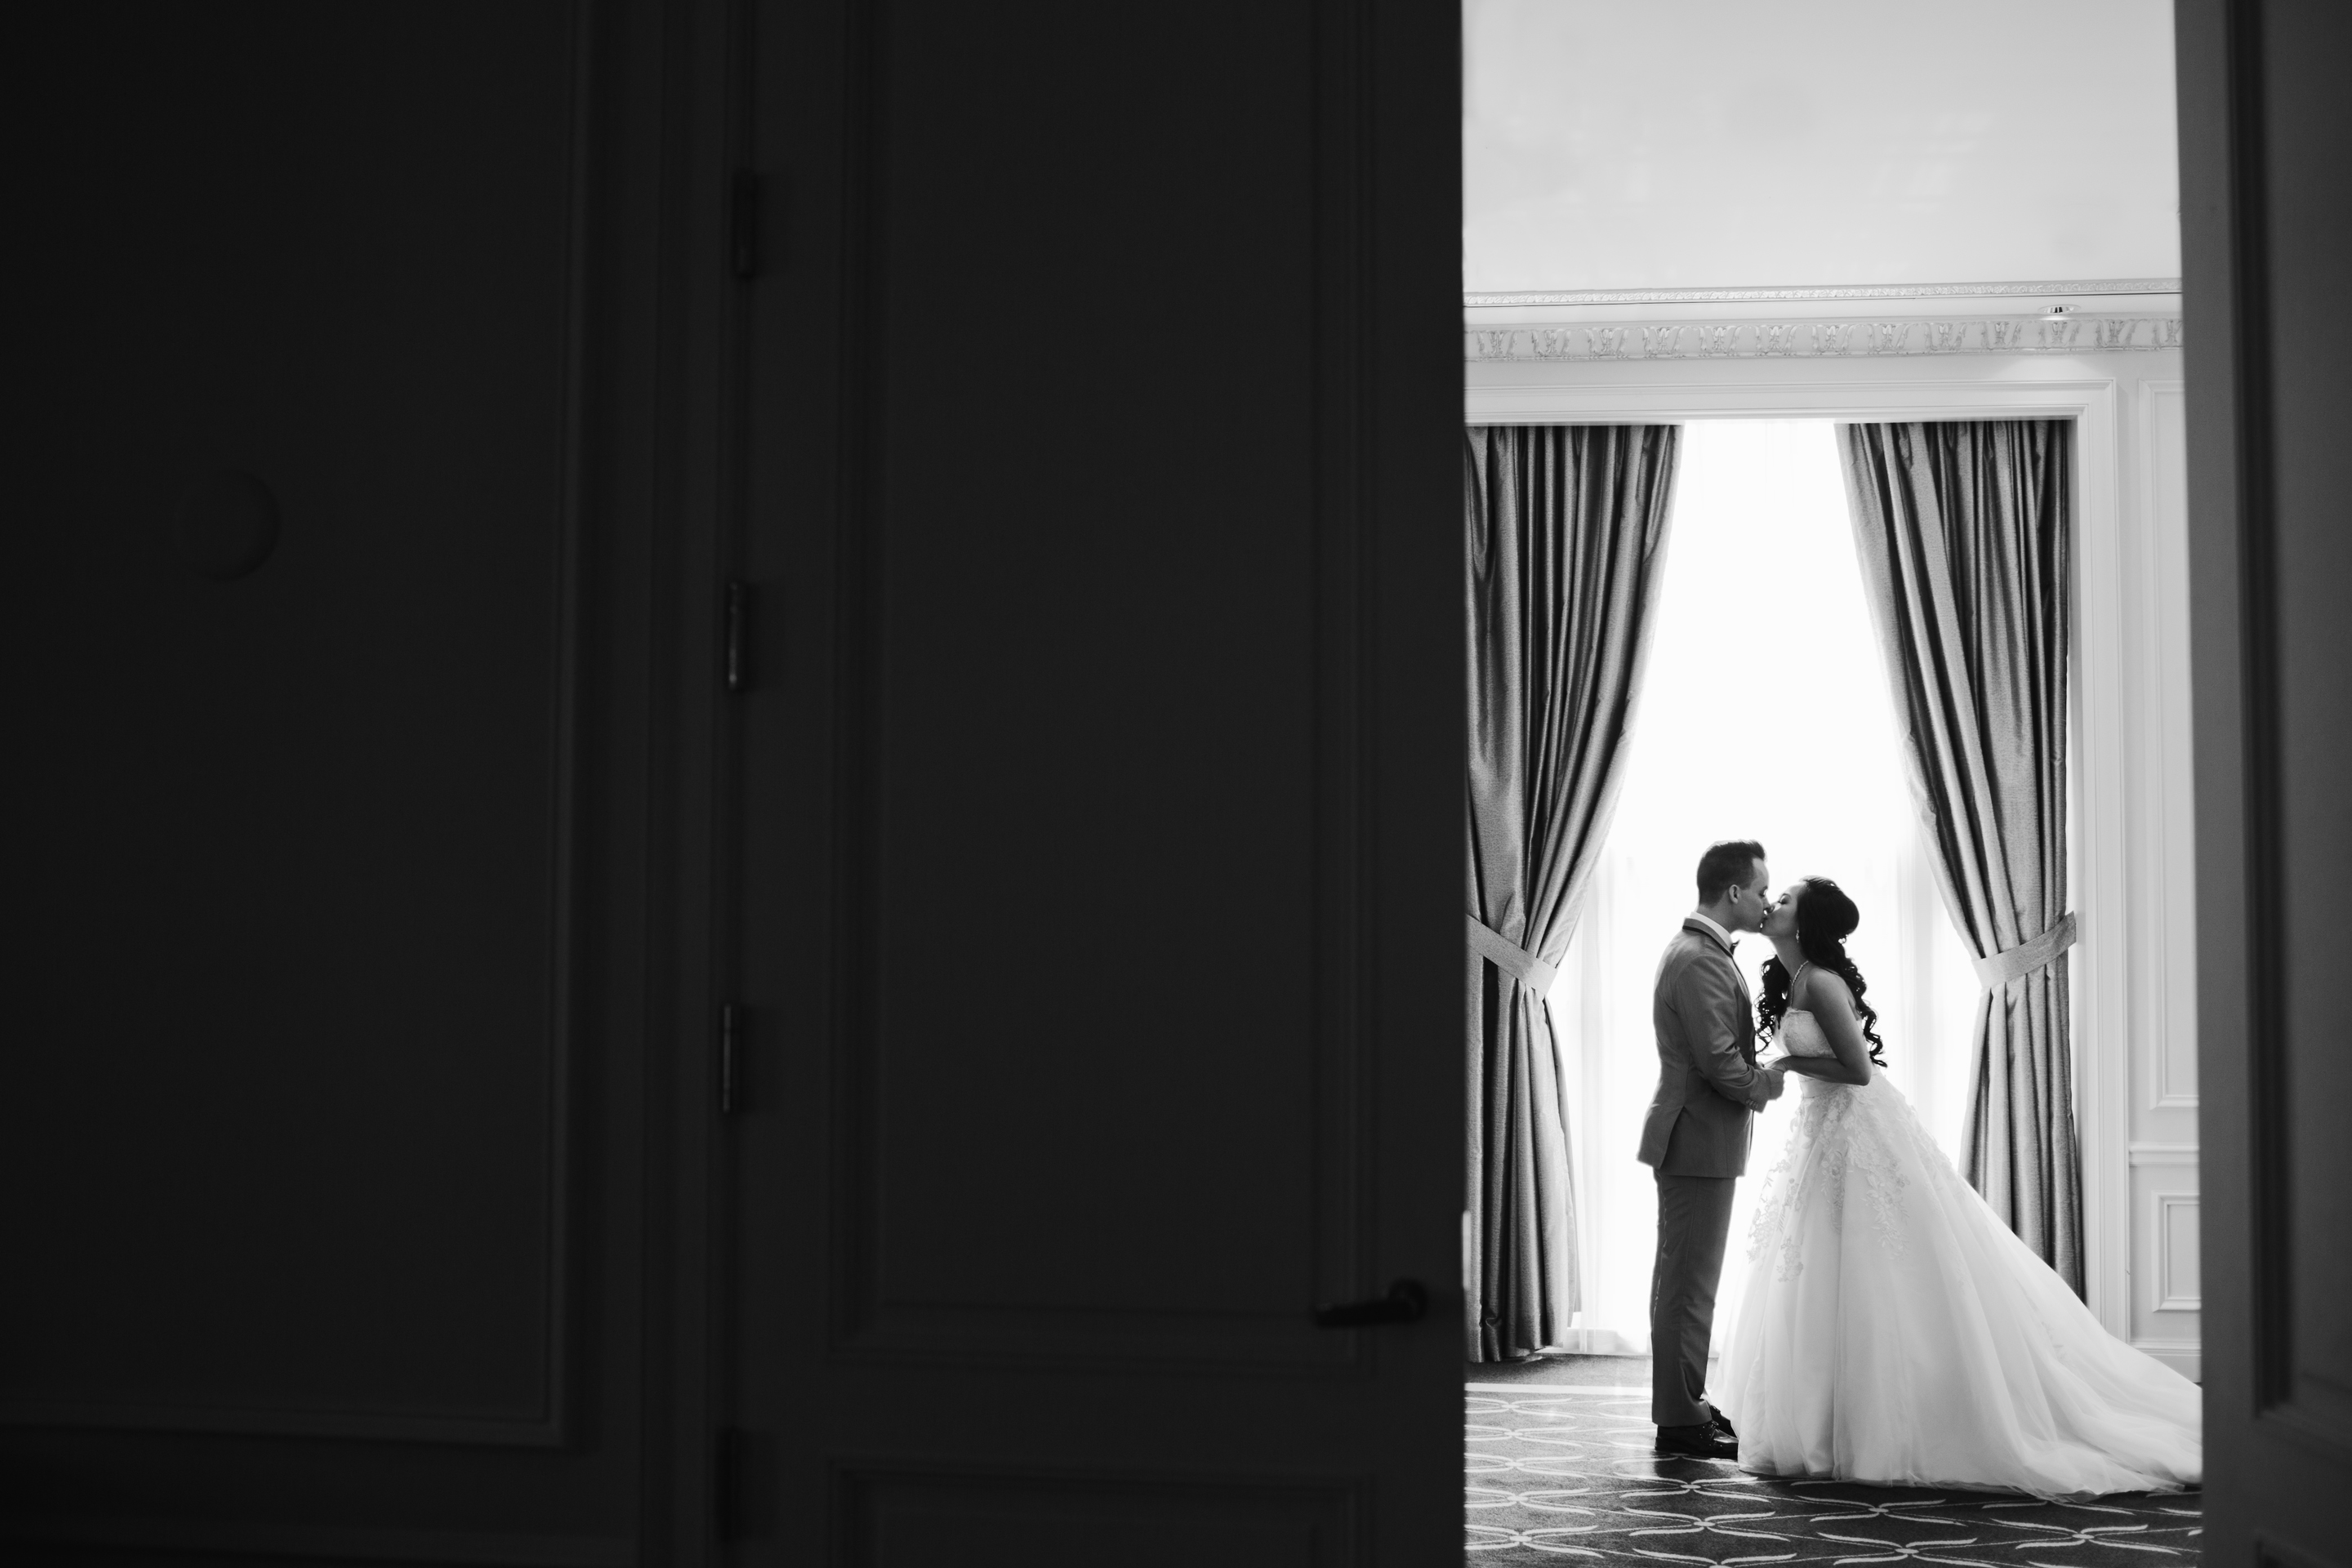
[[1764, 714]]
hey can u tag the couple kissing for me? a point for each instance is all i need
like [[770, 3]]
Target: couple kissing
[[1892, 1329]]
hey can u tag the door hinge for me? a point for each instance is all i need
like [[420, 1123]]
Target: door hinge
[[734, 654], [743, 224], [730, 1058]]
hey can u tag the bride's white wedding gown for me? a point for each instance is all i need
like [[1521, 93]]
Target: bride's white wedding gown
[[1893, 1329]]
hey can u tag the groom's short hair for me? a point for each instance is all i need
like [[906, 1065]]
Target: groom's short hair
[[1727, 865]]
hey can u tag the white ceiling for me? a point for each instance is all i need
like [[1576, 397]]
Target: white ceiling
[[1695, 143]]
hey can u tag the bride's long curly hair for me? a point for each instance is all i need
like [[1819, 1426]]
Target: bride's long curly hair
[[1825, 917]]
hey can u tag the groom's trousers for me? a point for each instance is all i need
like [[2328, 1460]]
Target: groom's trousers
[[1693, 1221]]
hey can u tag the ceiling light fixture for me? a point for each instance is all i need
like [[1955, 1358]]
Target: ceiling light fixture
[[2057, 312]]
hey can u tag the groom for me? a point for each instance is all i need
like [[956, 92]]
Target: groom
[[1696, 1135]]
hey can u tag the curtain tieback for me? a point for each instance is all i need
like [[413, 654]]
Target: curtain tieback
[[2026, 957], [1510, 958]]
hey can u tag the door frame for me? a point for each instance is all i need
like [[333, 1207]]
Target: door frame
[[2100, 845]]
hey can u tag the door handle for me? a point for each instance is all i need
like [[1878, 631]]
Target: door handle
[[1406, 1302]]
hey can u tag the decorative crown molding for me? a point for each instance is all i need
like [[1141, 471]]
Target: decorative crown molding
[[2041, 288], [1837, 338]]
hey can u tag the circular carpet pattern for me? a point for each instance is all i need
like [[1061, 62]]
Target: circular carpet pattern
[[1561, 1474]]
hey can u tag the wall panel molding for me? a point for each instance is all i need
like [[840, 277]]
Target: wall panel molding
[[2186, 1357], [871, 1320], [210, 1540], [888, 1513], [2168, 1297], [2176, 1254], [2166, 996], [547, 1424]]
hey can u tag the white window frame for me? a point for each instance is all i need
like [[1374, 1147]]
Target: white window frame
[[1984, 388]]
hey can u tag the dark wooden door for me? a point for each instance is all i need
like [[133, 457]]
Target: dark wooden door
[[1058, 810], [2266, 156], [1096, 789], [324, 924]]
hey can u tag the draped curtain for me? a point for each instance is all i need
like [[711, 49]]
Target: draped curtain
[[1566, 530], [1964, 532]]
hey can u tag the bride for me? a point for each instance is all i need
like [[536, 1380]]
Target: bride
[[1892, 1329]]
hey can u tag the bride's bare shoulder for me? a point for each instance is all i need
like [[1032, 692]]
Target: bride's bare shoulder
[[1826, 988]]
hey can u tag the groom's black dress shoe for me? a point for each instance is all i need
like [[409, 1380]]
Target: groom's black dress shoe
[[1695, 1443], [1722, 1424]]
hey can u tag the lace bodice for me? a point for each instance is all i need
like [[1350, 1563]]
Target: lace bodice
[[1848, 1137], [1801, 1036]]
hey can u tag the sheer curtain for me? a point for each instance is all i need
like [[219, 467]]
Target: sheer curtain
[[1763, 714]]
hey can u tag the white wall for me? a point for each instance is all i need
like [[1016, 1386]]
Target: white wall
[[2136, 1019], [1712, 143], [2162, 1116]]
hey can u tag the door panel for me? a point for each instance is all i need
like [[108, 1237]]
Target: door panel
[[284, 841], [914, 1518], [1098, 791], [2266, 142], [324, 783], [1080, 412], [1057, 598]]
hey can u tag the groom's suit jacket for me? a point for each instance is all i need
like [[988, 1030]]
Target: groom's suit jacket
[[1709, 1088]]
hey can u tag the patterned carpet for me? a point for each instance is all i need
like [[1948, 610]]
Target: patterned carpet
[[1566, 1474]]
